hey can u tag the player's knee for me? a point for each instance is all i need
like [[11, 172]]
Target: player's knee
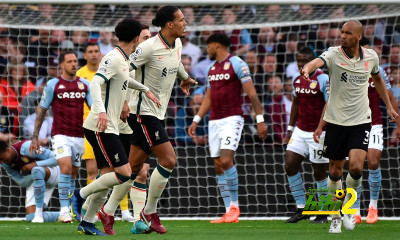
[[335, 171], [356, 168], [29, 217], [319, 176], [373, 164], [290, 170], [123, 178], [38, 173], [142, 176]]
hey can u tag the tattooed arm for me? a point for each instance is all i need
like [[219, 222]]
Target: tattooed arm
[[40, 115]]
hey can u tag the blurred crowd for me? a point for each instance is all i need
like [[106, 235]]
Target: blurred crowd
[[29, 57]]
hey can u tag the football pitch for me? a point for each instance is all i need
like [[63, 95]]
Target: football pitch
[[203, 230]]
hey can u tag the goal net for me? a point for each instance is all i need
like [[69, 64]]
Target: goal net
[[266, 36]]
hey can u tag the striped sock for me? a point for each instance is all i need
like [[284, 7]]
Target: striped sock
[[50, 216], [357, 204], [223, 189], [72, 186], [63, 188], [297, 189], [374, 181], [232, 184]]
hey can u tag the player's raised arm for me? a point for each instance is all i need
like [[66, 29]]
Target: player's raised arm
[[311, 67], [204, 108]]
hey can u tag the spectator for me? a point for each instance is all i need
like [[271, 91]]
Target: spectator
[[6, 123], [201, 37], [87, 15], [45, 130], [184, 119], [394, 59], [286, 51], [3, 52], [46, 13], [253, 61], [306, 12], [110, 14], [57, 37], [266, 41], [240, 38], [15, 87], [338, 12], [273, 13], [320, 44], [369, 32], [200, 71], [105, 42], [188, 12], [380, 23], [80, 38], [334, 37], [269, 68], [190, 49], [275, 110], [146, 15], [177, 93]]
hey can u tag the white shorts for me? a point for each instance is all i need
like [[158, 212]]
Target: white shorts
[[376, 137], [65, 146], [303, 143], [224, 133], [51, 183]]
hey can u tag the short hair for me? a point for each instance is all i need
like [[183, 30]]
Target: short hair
[[144, 26], [164, 15], [127, 29], [307, 51], [186, 56], [220, 38], [3, 146], [89, 44], [61, 58]]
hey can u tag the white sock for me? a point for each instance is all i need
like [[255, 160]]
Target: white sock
[[117, 195], [156, 187], [106, 181], [227, 209], [39, 212], [125, 213], [333, 186], [235, 203], [358, 213], [64, 209], [138, 199], [374, 204], [97, 201], [351, 183]]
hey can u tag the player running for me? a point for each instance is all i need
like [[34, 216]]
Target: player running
[[308, 103], [227, 76]]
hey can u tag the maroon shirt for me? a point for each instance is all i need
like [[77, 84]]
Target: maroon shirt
[[21, 160]]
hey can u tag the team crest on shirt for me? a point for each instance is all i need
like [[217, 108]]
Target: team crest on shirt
[[227, 65], [81, 86], [366, 65], [25, 159], [3, 120], [107, 62], [60, 150], [313, 84]]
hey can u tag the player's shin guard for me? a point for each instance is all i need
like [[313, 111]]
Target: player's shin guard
[[297, 188], [97, 201], [232, 184], [223, 189], [118, 193], [64, 185], [158, 181], [352, 182], [106, 181], [138, 198], [374, 181], [334, 184], [38, 175]]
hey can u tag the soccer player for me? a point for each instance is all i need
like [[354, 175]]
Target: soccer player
[[308, 103], [92, 54], [139, 188], [157, 62], [227, 75], [347, 115], [375, 146], [109, 87], [40, 183], [66, 95]]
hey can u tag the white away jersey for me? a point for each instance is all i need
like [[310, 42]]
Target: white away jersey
[[348, 102], [157, 65], [113, 75]]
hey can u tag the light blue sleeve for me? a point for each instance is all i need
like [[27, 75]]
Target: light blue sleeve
[[88, 97], [241, 69], [43, 159], [208, 69], [323, 80], [23, 181], [294, 79], [48, 93], [246, 39], [385, 78]]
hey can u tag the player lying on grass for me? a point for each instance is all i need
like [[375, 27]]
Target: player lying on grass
[[43, 175]]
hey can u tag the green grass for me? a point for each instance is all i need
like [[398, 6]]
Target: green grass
[[203, 230]]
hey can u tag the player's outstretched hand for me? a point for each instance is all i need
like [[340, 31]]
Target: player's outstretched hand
[[185, 85], [34, 147], [304, 72], [102, 122], [317, 135], [392, 114], [262, 130], [192, 130], [150, 95]]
